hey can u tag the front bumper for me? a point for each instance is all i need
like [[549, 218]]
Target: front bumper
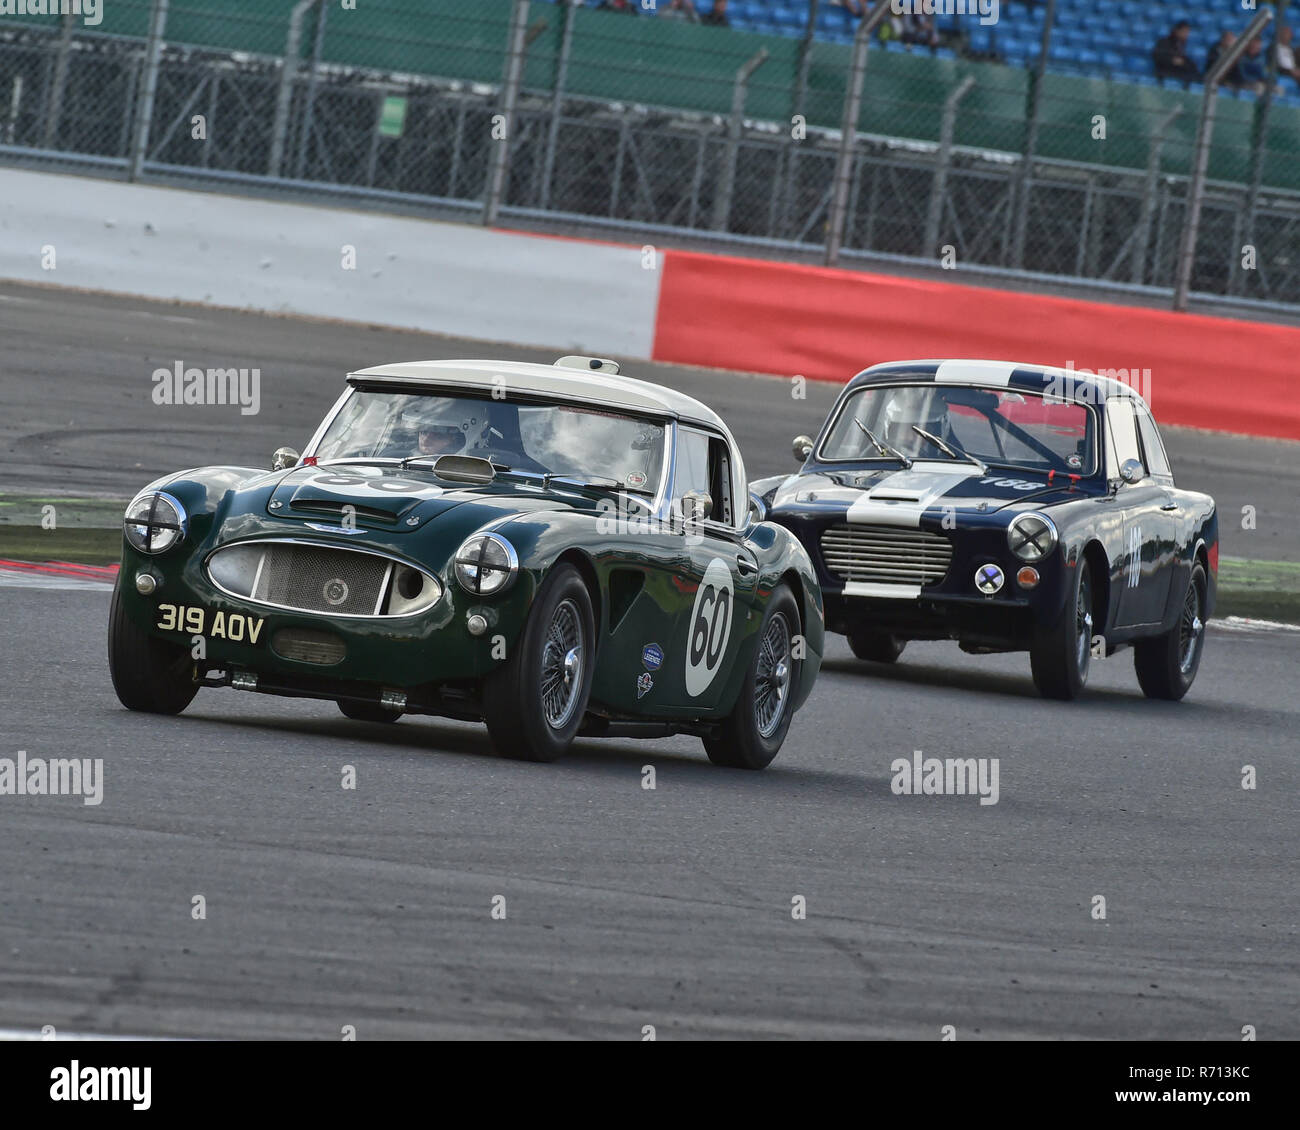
[[363, 655]]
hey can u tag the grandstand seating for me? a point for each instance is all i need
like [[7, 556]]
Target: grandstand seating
[[1100, 38]]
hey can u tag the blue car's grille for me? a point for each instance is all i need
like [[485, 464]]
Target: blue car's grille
[[885, 554]]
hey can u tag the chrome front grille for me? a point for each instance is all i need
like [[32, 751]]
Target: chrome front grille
[[308, 577], [885, 554]]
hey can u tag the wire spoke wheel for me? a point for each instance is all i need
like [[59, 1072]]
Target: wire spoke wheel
[[562, 658], [772, 677], [1190, 630], [1083, 622]]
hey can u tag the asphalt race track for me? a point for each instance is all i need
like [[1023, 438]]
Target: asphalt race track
[[625, 907]]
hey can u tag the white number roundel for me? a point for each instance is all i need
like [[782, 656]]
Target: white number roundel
[[710, 627]]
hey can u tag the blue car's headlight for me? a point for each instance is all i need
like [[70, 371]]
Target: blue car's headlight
[[155, 522], [1031, 537], [486, 564]]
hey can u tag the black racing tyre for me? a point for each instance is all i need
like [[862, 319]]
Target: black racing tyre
[[368, 711], [535, 701], [876, 647], [1166, 665], [752, 734], [1060, 658], [148, 674]]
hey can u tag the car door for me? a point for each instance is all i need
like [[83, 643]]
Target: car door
[[1144, 584], [719, 572]]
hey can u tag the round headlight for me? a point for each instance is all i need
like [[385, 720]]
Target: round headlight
[[154, 522], [1031, 537], [486, 564]]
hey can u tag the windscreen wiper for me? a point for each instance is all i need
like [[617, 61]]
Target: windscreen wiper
[[883, 448], [950, 449]]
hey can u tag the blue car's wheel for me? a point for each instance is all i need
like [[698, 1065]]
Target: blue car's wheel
[[1060, 658], [1167, 665]]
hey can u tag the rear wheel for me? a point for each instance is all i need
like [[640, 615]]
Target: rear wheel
[[1060, 658], [876, 647], [368, 711], [148, 674], [751, 736], [1166, 665], [535, 701]]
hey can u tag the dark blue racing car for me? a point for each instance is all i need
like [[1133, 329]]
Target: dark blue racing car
[[1009, 507]]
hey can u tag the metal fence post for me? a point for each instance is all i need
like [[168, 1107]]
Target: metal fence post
[[54, 108], [849, 132], [499, 162], [1201, 159], [942, 158], [309, 105], [1258, 137], [1020, 196], [557, 99], [735, 127], [796, 109], [1143, 238], [144, 113], [288, 69]]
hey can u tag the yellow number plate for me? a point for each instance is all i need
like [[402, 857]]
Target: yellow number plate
[[194, 620]]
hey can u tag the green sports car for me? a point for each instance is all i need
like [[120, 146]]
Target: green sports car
[[554, 550]]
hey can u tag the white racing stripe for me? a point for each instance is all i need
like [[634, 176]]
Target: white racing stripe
[[901, 498], [974, 372]]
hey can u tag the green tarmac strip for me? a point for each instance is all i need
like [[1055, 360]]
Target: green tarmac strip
[[88, 531]]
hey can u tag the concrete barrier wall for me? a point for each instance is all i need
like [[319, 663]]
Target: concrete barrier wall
[[591, 297], [262, 255]]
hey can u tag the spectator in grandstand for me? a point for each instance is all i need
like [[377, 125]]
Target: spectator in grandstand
[[626, 6], [718, 16], [1170, 55], [679, 10], [919, 29], [1286, 64], [1252, 65], [1233, 76]]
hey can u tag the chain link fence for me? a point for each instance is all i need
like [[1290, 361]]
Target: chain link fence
[[596, 122]]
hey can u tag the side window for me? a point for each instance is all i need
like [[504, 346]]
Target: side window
[[1122, 430], [704, 464], [1157, 461], [692, 471]]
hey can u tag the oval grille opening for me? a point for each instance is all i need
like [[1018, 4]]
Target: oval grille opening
[[305, 577], [885, 554]]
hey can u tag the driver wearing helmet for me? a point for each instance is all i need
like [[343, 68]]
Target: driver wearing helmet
[[440, 439], [927, 408]]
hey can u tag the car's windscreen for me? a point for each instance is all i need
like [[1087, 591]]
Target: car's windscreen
[[575, 441], [999, 427]]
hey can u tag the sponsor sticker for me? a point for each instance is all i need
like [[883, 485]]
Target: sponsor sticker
[[644, 684], [636, 479], [652, 656]]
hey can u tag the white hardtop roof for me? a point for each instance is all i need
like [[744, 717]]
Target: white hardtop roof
[[561, 382]]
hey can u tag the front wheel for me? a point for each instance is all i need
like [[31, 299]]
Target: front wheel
[[535, 701], [1059, 659], [752, 734], [1167, 665], [148, 674], [368, 711], [876, 647]]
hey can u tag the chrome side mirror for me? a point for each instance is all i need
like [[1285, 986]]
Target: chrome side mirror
[[1132, 471], [801, 447], [757, 509], [283, 458], [697, 505]]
